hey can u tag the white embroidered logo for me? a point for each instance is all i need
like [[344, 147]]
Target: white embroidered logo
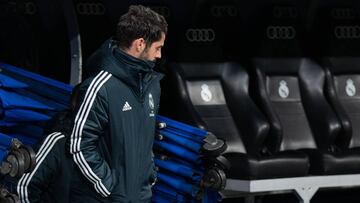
[[151, 105], [151, 101], [283, 89], [350, 88], [205, 93], [126, 107]]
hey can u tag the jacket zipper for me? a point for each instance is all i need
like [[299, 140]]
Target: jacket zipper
[[141, 86], [153, 78]]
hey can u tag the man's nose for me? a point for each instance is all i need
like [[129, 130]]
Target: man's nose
[[158, 55]]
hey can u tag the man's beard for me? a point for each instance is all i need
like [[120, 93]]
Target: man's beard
[[144, 56]]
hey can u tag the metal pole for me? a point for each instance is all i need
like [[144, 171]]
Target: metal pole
[[75, 42]]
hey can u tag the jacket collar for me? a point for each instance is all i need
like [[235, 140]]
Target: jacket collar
[[130, 62], [135, 72]]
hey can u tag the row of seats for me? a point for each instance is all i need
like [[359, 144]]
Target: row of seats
[[280, 117]]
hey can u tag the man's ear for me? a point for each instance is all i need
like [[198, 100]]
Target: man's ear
[[139, 44]]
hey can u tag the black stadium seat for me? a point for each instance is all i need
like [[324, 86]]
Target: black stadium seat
[[215, 96], [291, 93], [343, 80]]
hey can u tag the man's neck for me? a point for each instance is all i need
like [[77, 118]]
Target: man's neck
[[131, 52]]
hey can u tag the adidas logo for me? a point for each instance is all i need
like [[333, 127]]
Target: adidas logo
[[126, 107]]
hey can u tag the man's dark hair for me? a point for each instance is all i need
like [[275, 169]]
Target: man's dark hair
[[140, 22]]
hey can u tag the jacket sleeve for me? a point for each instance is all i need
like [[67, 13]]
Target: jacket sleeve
[[90, 121], [32, 186]]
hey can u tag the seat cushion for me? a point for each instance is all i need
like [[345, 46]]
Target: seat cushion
[[332, 163], [282, 165]]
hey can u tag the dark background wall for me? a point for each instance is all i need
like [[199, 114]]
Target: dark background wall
[[33, 33]]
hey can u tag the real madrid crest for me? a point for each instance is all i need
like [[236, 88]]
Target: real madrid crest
[[206, 94], [283, 89], [350, 88]]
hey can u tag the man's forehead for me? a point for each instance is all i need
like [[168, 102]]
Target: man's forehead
[[159, 43]]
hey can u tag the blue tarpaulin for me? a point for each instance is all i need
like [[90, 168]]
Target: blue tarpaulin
[[178, 183], [168, 193], [179, 169], [27, 102], [5, 140], [181, 133], [11, 100], [187, 143], [46, 87], [178, 151], [22, 115], [182, 127], [8, 82], [180, 165]]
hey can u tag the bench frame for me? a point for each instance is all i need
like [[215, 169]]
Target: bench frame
[[304, 187]]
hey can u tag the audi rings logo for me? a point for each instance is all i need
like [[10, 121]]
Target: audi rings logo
[[200, 35], [285, 12], [343, 13], [90, 8], [163, 10], [30, 8], [222, 11], [347, 32], [281, 32]]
